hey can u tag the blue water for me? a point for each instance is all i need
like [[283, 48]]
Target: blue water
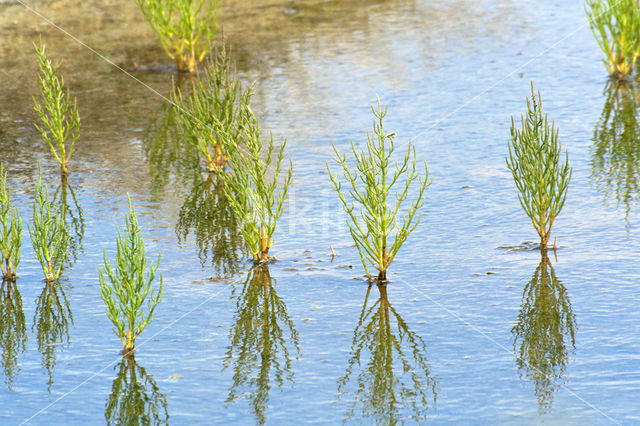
[[453, 76]]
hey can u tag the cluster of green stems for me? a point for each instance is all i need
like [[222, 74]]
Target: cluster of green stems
[[186, 28], [126, 286], [376, 227], [534, 160], [616, 27], [60, 126]]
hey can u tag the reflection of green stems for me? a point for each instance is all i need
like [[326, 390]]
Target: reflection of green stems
[[129, 284], [166, 152], [73, 215], [10, 230], [615, 164], [49, 234], [206, 213], [392, 380], [545, 319], [51, 318], [258, 343], [135, 397], [60, 119], [376, 227], [13, 330], [534, 161]]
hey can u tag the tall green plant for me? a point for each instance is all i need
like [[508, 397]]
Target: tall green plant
[[186, 28], [253, 191], [129, 285], [211, 116], [60, 119], [375, 227], [616, 27], [10, 230], [49, 233], [534, 161]]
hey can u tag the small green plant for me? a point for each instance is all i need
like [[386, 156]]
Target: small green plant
[[60, 119], [534, 161], [10, 230], [256, 199], [616, 27], [186, 28], [211, 116], [129, 285], [375, 227], [49, 233]]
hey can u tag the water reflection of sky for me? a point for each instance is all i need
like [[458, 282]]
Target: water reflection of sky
[[453, 75]]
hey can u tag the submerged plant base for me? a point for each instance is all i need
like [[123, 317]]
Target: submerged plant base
[[267, 261], [529, 246]]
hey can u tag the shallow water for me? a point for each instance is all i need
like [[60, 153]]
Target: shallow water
[[469, 332]]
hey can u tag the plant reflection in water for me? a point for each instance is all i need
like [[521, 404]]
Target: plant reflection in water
[[72, 213], [545, 327], [167, 154], [261, 341], [13, 331], [51, 319], [395, 379], [135, 397], [207, 214], [615, 163]]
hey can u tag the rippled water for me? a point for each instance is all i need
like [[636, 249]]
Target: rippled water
[[466, 331]]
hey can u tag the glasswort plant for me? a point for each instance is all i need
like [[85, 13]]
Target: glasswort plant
[[10, 230], [49, 233], [185, 32], [212, 115], [60, 119], [129, 285], [253, 197], [616, 27], [375, 227], [534, 161]]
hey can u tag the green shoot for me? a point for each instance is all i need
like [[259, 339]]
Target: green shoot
[[129, 285], [616, 27], [49, 233], [375, 227], [211, 116], [186, 28], [60, 119], [10, 230], [534, 161], [256, 200]]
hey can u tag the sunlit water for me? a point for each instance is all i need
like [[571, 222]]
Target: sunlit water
[[465, 332]]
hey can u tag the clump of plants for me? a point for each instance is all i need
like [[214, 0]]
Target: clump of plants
[[186, 28], [211, 116], [10, 230], [253, 189], [376, 226], [49, 234], [60, 119], [534, 160], [129, 285], [616, 27]]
